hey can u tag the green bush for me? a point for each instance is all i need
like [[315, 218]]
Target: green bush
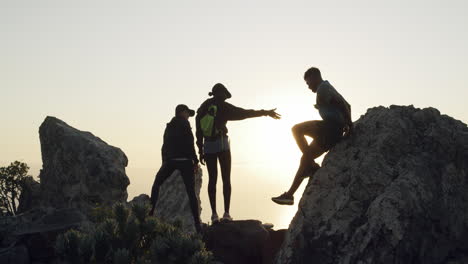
[[131, 236], [11, 186]]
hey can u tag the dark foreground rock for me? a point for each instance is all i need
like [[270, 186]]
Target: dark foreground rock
[[30, 237], [394, 192], [245, 241]]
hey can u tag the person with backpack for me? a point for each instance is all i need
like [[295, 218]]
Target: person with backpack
[[336, 115], [178, 153], [213, 142]]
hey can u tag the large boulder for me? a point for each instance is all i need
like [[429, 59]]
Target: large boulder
[[394, 192], [79, 169]]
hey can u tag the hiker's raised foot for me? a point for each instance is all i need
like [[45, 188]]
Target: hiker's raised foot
[[284, 199]]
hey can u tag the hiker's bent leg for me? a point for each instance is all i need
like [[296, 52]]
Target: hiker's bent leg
[[212, 166], [163, 174], [188, 175], [308, 128], [314, 151], [225, 164]]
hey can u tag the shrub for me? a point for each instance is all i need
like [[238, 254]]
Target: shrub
[[11, 179], [131, 236]]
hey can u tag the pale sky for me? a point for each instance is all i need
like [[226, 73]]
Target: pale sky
[[118, 69]]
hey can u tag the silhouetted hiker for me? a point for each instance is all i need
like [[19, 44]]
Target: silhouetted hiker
[[213, 142], [178, 153], [336, 115]]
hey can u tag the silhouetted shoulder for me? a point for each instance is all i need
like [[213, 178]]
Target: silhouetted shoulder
[[205, 105]]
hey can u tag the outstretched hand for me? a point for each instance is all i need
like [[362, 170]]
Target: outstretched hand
[[272, 113]]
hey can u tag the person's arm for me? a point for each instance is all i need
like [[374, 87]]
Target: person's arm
[[231, 112], [164, 147], [187, 139], [198, 131], [345, 108]]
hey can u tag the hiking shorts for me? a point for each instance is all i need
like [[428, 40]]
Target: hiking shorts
[[325, 133], [216, 145]]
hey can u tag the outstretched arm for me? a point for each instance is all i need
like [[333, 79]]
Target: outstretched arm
[[232, 113]]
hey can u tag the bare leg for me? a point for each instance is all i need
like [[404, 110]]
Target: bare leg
[[307, 161], [304, 166], [212, 165], [309, 128], [163, 174], [225, 164]]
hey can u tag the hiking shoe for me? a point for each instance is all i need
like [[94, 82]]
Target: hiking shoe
[[284, 199], [226, 218], [214, 218]]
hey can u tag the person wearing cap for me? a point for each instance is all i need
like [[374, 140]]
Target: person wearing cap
[[216, 146], [336, 114], [178, 153]]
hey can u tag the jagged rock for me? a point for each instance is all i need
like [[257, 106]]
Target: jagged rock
[[237, 241], [141, 199], [394, 192], [30, 196], [79, 170], [173, 202], [273, 245]]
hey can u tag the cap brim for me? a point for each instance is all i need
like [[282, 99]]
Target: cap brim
[[228, 94], [191, 112]]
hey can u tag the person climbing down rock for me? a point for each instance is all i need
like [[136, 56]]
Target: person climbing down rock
[[336, 114], [213, 142], [178, 153]]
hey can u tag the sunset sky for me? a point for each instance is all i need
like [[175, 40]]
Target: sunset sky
[[119, 68]]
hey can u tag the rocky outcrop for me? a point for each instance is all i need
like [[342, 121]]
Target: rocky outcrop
[[79, 169], [173, 202], [238, 242], [394, 192], [30, 196]]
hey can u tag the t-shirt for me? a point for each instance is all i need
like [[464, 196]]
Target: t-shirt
[[328, 104]]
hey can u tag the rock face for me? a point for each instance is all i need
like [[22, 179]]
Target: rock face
[[79, 170], [394, 192], [173, 203], [238, 242]]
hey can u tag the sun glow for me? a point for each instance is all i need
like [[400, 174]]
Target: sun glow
[[265, 160]]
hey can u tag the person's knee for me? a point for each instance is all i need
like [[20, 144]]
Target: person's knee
[[296, 129]]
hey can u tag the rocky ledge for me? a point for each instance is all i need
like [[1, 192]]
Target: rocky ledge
[[394, 192]]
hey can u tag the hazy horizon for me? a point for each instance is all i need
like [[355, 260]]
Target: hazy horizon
[[118, 69]]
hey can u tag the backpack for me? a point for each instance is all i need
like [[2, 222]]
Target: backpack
[[207, 122]]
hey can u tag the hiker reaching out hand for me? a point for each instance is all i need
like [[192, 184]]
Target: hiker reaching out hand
[[213, 141]]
